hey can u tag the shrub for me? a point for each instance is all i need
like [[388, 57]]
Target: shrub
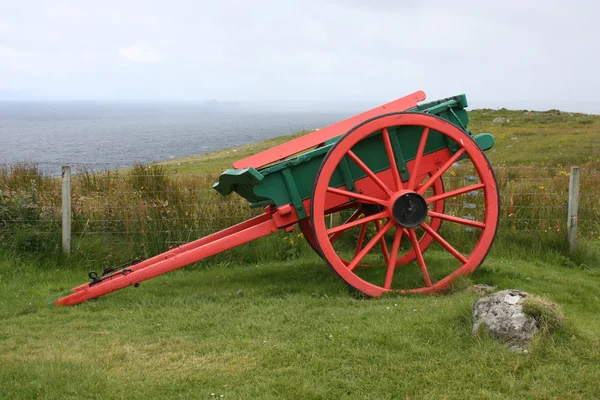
[[150, 181]]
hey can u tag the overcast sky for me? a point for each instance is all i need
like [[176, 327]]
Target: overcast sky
[[513, 53]]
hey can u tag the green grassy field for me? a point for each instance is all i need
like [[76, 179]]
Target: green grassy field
[[270, 319], [289, 330]]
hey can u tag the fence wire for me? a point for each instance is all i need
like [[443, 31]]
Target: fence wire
[[175, 203]]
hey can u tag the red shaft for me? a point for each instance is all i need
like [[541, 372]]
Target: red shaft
[[210, 245], [188, 246]]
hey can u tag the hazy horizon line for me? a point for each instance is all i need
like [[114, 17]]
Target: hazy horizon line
[[275, 105]]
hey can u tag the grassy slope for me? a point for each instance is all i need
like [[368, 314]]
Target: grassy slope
[[287, 330], [219, 160], [292, 330], [541, 138], [530, 138]]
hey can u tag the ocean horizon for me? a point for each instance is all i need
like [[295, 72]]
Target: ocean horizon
[[102, 135]]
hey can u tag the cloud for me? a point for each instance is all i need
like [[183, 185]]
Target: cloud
[[14, 60], [141, 54], [508, 53]]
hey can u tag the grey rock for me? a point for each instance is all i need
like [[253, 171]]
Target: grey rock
[[501, 120], [502, 315]]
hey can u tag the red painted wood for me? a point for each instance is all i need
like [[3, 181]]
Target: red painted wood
[[360, 241], [444, 243], [427, 239], [365, 184], [413, 239], [260, 226], [354, 263], [188, 246], [384, 249], [392, 158], [430, 162], [391, 262], [315, 138], [412, 181]]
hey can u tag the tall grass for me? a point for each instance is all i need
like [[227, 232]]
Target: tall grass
[[138, 212], [148, 208]]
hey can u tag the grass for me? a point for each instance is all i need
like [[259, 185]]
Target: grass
[[548, 315], [269, 319], [288, 330], [541, 139]]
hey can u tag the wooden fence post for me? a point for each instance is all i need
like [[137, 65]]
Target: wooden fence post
[[573, 207], [66, 209]]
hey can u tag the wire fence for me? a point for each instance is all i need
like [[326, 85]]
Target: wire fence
[[161, 205]]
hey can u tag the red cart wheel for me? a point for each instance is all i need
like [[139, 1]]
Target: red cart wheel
[[424, 241], [404, 209]]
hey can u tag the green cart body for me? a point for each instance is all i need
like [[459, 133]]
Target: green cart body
[[291, 181]]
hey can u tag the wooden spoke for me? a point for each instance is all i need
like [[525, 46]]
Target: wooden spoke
[[370, 245], [415, 242], [370, 173], [392, 159], [361, 239], [423, 188], [344, 227], [454, 192], [415, 170], [450, 218], [444, 243], [384, 249], [358, 196], [353, 217], [392, 261]]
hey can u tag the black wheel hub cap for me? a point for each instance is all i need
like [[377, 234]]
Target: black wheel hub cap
[[409, 210]]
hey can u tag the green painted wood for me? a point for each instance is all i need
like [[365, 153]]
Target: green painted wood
[[291, 181], [400, 161], [485, 141], [292, 190], [346, 174], [240, 181]]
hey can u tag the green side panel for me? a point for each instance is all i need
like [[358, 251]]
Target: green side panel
[[400, 160], [344, 170], [292, 189], [371, 151], [291, 181], [274, 186], [434, 107], [451, 109]]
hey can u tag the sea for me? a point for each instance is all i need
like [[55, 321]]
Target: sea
[[104, 136]]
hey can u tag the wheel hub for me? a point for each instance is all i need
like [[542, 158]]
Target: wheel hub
[[409, 210]]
